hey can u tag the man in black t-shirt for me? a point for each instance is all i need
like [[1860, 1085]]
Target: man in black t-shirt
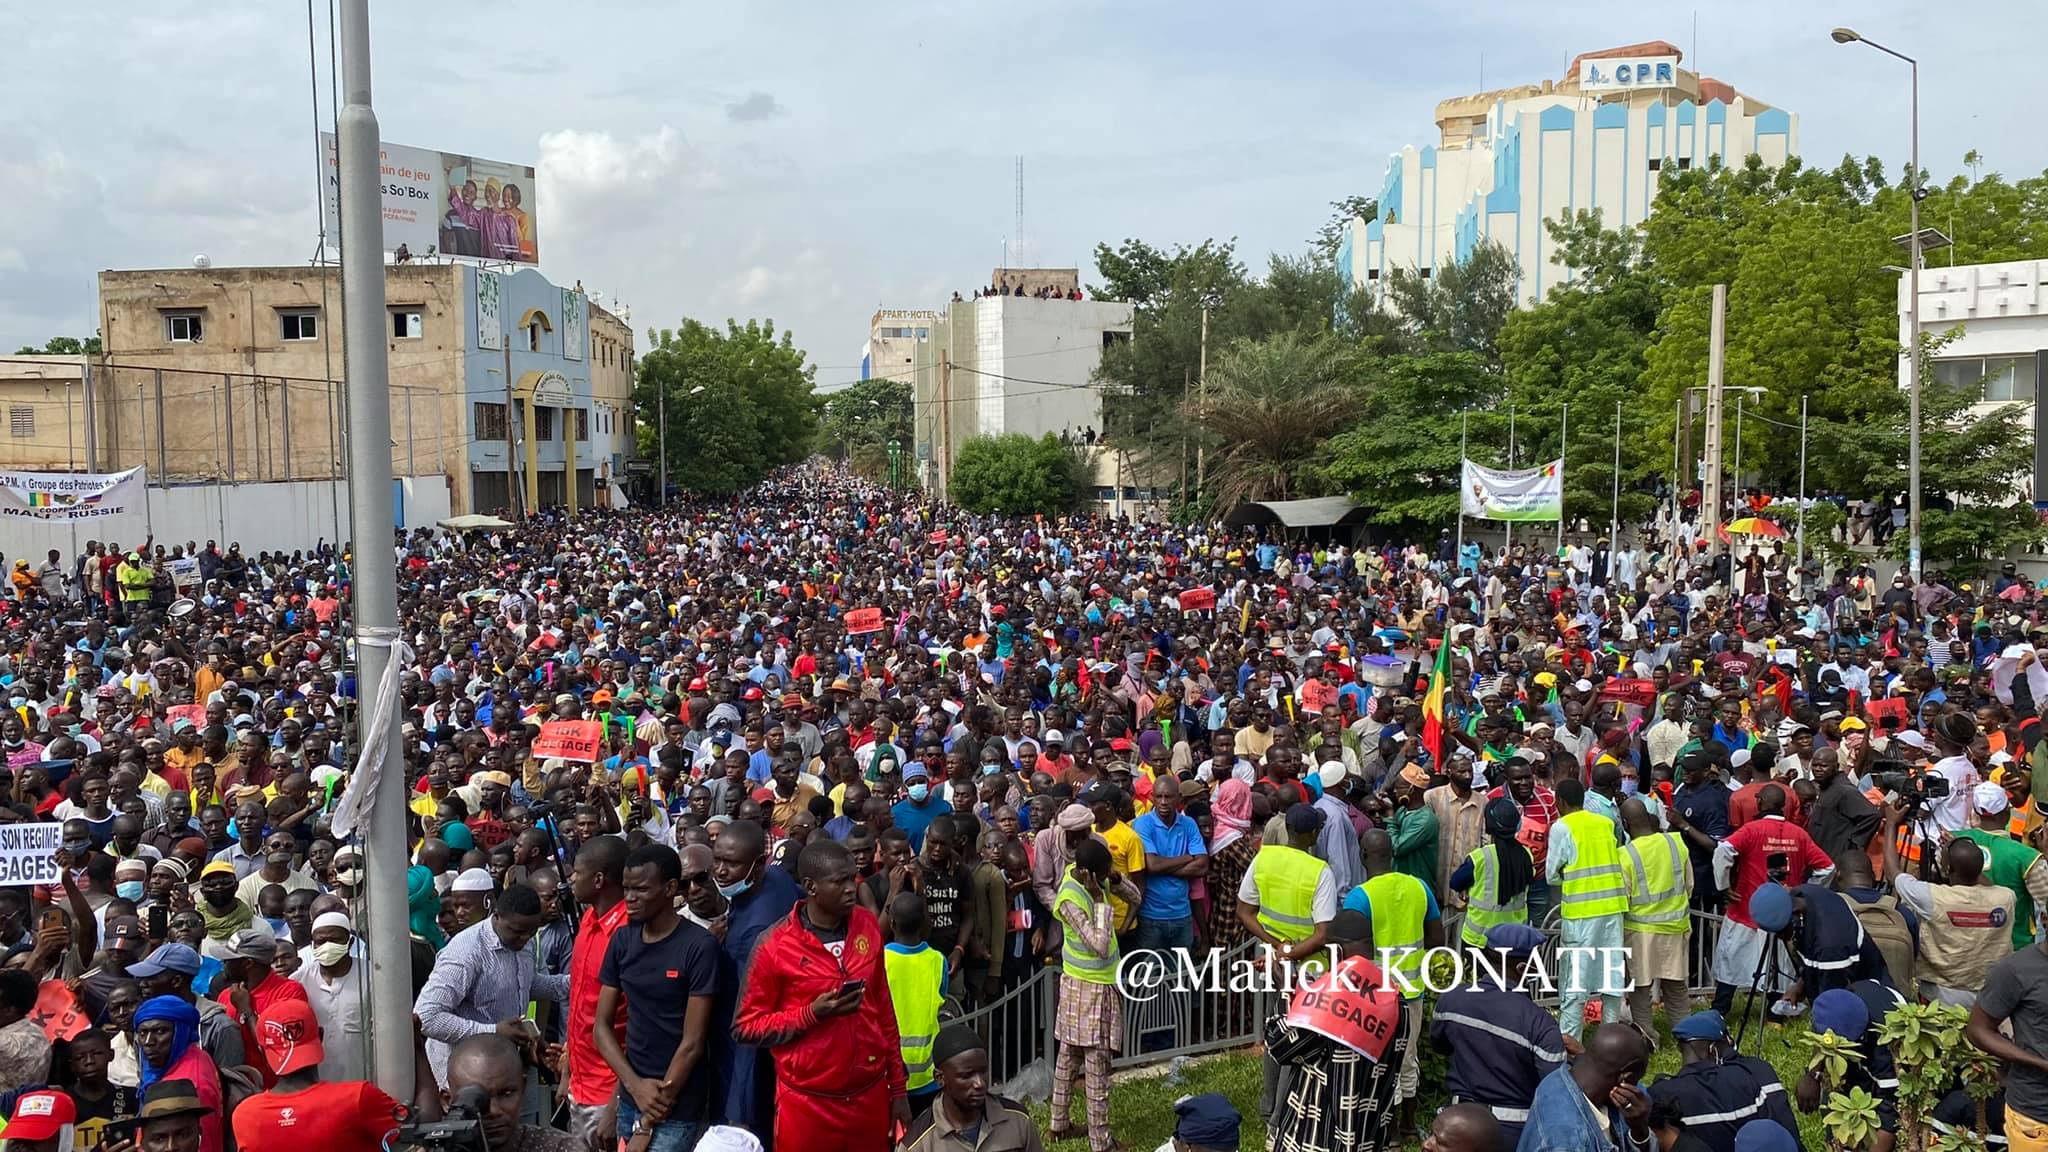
[[948, 893], [667, 969], [106, 1111], [2016, 991]]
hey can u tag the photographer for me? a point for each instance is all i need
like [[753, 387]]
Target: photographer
[[487, 1080], [1965, 923], [1769, 849]]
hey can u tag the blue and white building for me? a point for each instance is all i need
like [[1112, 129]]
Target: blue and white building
[[1508, 160]]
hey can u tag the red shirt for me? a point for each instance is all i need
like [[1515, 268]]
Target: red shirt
[[591, 1082], [1537, 817], [1742, 805], [272, 989], [334, 1115], [840, 1057], [1754, 844]]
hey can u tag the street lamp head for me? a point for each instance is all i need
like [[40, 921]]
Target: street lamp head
[[1845, 36]]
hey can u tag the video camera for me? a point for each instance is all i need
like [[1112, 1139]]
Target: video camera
[[1906, 787], [461, 1130]]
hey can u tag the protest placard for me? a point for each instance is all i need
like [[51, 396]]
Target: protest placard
[[577, 740], [863, 620], [28, 854]]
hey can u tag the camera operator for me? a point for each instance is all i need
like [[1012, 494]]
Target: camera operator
[[486, 1072], [1826, 937], [1949, 811], [1769, 849], [1965, 922]]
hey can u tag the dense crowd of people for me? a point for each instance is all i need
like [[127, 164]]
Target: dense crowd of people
[[865, 764]]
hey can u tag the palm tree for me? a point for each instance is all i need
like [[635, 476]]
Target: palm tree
[[1271, 406]]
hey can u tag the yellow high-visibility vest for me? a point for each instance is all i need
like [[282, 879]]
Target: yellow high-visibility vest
[[917, 986], [1076, 958], [1593, 885], [1286, 879], [1483, 906], [1657, 867]]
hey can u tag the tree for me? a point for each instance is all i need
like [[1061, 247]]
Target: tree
[[867, 415], [1270, 405], [1400, 458], [64, 346], [1459, 307], [1014, 473], [1331, 235], [739, 403]]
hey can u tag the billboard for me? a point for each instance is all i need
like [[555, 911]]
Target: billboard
[[71, 496], [446, 202]]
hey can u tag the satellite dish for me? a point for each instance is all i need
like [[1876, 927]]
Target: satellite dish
[[202, 261]]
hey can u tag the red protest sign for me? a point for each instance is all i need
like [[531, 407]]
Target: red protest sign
[[862, 620], [570, 740], [1890, 706], [58, 1012], [1198, 600], [1642, 693], [1348, 1005], [196, 713], [937, 537]]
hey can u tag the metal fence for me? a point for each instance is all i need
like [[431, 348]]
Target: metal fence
[[1018, 1026]]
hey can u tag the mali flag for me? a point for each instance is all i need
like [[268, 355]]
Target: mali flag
[[1433, 705]]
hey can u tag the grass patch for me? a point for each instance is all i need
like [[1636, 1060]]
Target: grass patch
[[1141, 1103]]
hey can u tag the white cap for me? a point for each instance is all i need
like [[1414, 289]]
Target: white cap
[[1912, 738], [332, 920], [474, 880], [1052, 736], [1990, 799], [722, 1138], [1738, 758], [1332, 774]]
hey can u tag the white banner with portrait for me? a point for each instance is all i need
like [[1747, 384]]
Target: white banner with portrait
[[1516, 494]]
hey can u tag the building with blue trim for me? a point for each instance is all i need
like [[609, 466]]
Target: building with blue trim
[[1508, 160]]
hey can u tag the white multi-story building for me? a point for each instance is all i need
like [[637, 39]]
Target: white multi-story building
[[1999, 313], [1508, 160], [893, 337], [1001, 364]]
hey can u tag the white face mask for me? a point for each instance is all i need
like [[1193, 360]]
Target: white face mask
[[329, 953]]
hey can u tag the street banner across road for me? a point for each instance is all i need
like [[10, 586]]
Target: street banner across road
[[1514, 494], [71, 496]]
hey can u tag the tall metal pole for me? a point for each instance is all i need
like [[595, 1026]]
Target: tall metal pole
[[1202, 391], [1913, 344], [375, 585], [1710, 503], [1679, 480], [661, 435], [1614, 514], [1801, 534], [1464, 418], [1564, 427], [1737, 476], [1509, 543]]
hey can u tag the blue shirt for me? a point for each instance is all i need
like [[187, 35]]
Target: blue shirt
[[1502, 1045], [1166, 897], [1357, 902], [914, 818]]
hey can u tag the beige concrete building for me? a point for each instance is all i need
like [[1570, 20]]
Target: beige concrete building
[[893, 338], [43, 400], [611, 393]]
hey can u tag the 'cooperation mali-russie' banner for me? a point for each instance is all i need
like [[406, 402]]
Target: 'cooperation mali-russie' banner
[[1514, 494], [70, 496]]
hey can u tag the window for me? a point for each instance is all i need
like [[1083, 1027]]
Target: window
[[2003, 378], [1656, 163], [490, 421], [544, 424], [407, 324], [184, 327], [1422, 272], [583, 425], [1372, 273], [21, 420], [533, 336], [298, 325], [1685, 163], [1111, 339]]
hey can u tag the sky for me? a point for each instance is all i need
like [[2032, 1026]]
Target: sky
[[809, 162]]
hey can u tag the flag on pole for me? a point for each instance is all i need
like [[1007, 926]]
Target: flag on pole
[[1433, 705]]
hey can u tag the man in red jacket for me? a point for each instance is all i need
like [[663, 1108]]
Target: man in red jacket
[[817, 998]]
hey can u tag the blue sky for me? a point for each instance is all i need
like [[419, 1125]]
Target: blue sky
[[810, 162]]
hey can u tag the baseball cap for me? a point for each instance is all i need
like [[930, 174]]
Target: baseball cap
[[1854, 724], [41, 1115], [1514, 939], [1771, 907], [1053, 736], [247, 944], [1912, 738], [1706, 1025], [1304, 818], [1990, 798], [1842, 1012], [290, 1036], [126, 931], [1206, 1121], [178, 958]]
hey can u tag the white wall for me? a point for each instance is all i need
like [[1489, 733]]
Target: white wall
[[1049, 350], [258, 516]]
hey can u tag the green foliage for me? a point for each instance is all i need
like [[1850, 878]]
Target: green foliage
[[756, 412], [1401, 456], [1014, 473], [1828, 1055], [1270, 406], [867, 415], [1927, 1044], [1330, 236], [64, 346], [1459, 307], [1851, 1118]]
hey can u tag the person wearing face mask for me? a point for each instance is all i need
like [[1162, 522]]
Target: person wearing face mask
[[922, 805], [224, 912], [757, 898], [331, 984]]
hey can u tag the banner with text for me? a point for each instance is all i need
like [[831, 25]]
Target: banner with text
[[71, 496], [578, 740], [28, 854], [1512, 494]]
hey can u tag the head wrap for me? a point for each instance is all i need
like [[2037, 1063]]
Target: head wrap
[[184, 1020], [1517, 868], [423, 904], [1232, 812], [1075, 817], [457, 837]]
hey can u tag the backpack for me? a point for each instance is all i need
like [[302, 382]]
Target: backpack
[[1886, 926]]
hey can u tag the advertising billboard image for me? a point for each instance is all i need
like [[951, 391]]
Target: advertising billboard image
[[453, 204]]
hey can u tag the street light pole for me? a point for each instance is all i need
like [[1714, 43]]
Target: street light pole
[[1913, 193]]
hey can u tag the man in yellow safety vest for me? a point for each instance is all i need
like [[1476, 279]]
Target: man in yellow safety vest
[[1658, 922], [1584, 865], [1406, 923]]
